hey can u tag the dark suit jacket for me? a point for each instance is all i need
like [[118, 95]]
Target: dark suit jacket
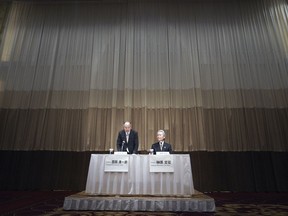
[[166, 147], [132, 144]]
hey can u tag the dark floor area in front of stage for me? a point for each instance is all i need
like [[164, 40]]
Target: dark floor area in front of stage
[[227, 203]]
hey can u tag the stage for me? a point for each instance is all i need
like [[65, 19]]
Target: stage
[[156, 187], [198, 202]]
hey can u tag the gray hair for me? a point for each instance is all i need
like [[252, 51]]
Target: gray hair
[[161, 131]]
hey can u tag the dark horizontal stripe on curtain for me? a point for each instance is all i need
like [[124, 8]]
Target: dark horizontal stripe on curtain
[[212, 171]]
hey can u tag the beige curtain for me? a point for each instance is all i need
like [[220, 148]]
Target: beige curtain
[[4, 9], [213, 75]]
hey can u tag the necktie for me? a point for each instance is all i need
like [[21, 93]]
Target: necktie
[[127, 137], [161, 145]]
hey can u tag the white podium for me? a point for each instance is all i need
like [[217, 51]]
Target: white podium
[[139, 180]]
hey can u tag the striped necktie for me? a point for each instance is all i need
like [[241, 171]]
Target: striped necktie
[[161, 145]]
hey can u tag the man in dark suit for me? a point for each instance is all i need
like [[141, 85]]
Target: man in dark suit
[[128, 139], [161, 145]]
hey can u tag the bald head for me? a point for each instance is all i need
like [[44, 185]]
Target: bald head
[[127, 126]]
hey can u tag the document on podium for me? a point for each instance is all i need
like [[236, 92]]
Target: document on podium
[[116, 163]]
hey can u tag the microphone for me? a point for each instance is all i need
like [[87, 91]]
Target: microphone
[[122, 147]]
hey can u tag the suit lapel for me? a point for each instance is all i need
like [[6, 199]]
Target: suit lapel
[[164, 146]]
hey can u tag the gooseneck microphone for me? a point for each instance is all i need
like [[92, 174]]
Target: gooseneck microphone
[[122, 147]]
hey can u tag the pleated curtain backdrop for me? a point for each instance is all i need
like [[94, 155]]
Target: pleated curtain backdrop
[[212, 74]]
